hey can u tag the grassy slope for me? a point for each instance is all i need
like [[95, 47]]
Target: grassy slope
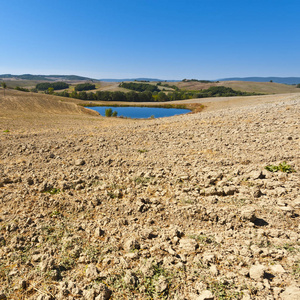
[[16, 103], [244, 86]]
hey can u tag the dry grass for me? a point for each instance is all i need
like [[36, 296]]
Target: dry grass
[[244, 86]]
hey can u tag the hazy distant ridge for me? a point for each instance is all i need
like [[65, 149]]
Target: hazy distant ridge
[[285, 80], [45, 77], [137, 79]]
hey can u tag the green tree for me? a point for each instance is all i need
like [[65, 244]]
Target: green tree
[[74, 94], [114, 114], [50, 90], [3, 84], [162, 97], [84, 87], [108, 112]]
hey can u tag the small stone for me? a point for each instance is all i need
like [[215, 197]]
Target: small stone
[[99, 232], [296, 203], [257, 272], [46, 264], [30, 181], [256, 192], [248, 214], [91, 271], [208, 259], [162, 284], [246, 295], [289, 210], [131, 244], [277, 269], [130, 279], [244, 272], [36, 257], [23, 284], [189, 245], [206, 295], [79, 162], [291, 293], [256, 175], [102, 292], [213, 270], [277, 291]]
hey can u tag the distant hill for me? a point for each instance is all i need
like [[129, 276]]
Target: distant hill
[[284, 80], [244, 86], [73, 78], [137, 79], [44, 77]]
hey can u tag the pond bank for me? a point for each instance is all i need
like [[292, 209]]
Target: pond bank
[[137, 112], [193, 107]]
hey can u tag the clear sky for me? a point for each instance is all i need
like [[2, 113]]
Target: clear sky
[[162, 39]]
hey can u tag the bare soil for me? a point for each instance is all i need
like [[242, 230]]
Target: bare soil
[[172, 208]]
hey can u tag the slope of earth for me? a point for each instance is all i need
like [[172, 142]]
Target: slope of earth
[[174, 208], [244, 86]]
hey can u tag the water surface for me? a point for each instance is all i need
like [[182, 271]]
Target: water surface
[[136, 112]]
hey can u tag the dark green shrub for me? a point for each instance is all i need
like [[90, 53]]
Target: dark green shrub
[[108, 112]]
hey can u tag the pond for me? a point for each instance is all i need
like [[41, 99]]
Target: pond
[[136, 112]]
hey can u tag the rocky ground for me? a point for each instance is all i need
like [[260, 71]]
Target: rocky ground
[[173, 208]]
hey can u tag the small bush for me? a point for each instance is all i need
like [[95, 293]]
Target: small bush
[[53, 191], [283, 167], [108, 112], [21, 89]]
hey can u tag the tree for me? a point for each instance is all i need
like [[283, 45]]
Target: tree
[[108, 112], [50, 90], [84, 87], [43, 86], [162, 97], [3, 84]]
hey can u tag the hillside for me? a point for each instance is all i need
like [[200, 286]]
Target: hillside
[[173, 208], [244, 86], [284, 80], [16, 104]]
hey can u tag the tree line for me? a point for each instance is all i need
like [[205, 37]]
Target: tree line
[[139, 87], [196, 80], [108, 96], [84, 87], [43, 86], [147, 96]]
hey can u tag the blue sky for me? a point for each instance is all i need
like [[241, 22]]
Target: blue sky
[[176, 39]]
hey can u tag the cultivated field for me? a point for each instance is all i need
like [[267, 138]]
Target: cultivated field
[[244, 86], [174, 208]]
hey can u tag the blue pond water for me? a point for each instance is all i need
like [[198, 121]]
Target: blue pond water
[[141, 112]]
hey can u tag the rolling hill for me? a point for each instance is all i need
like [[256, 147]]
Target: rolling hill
[[284, 80]]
